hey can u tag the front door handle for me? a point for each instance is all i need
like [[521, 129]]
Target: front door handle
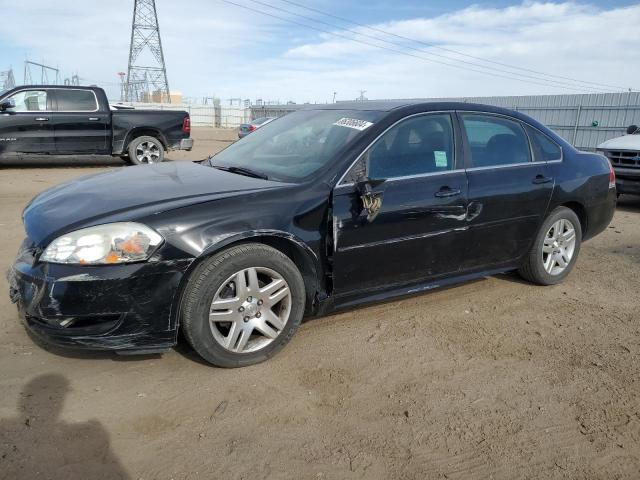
[[447, 192], [94, 119], [540, 179], [42, 119]]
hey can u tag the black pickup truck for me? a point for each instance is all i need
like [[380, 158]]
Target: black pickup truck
[[62, 120]]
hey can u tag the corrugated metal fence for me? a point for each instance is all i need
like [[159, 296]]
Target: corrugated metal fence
[[585, 121]]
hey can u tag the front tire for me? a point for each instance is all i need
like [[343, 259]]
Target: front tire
[[555, 249], [145, 150], [243, 305]]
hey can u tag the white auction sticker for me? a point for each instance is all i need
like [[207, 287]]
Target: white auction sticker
[[353, 123]]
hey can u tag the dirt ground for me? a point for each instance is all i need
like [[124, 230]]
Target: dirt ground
[[492, 379]]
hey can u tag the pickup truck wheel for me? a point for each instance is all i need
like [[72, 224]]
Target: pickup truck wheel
[[145, 150], [555, 249], [242, 305]]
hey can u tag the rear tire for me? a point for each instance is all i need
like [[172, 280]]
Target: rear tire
[[210, 316], [555, 249], [145, 150]]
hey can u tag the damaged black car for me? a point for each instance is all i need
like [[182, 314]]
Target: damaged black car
[[326, 208]]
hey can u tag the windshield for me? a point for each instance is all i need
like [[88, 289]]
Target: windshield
[[297, 145], [2, 92]]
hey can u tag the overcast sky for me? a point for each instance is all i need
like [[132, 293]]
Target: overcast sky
[[215, 48]]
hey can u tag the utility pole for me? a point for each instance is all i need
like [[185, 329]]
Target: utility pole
[[123, 86], [334, 97], [144, 74]]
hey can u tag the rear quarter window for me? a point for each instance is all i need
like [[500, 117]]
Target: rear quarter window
[[544, 149]]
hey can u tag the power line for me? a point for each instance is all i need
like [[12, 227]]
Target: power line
[[555, 82], [262, 12], [433, 45]]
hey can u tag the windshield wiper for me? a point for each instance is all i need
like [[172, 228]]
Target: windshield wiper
[[242, 171]]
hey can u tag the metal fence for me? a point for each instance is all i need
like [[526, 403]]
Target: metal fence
[[204, 115], [585, 120]]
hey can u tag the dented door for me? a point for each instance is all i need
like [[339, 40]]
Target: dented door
[[417, 234]]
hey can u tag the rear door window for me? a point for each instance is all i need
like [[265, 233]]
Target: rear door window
[[495, 141], [76, 100]]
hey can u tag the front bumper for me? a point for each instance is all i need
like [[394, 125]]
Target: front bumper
[[116, 307], [628, 185], [627, 180]]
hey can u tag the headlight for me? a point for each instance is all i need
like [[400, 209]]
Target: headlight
[[104, 244]]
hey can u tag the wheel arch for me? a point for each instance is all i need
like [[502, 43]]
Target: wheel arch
[[141, 132], [580, 210], [294, 248]]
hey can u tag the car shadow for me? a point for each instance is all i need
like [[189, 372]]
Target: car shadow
[[39, 443], [185, 350]]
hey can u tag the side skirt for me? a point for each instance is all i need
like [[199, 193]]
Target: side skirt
[[351, 300]]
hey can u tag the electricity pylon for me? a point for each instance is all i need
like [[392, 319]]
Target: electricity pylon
[[7, 80], [145, 74]]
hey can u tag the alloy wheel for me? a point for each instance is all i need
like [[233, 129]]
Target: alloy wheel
[[250, 310], [147, 152], [558, 247]]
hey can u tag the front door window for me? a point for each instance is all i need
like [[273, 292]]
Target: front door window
[[29, 101]]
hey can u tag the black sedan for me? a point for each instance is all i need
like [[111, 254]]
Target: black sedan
[[326, 208]]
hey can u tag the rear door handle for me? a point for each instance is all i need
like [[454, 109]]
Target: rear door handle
[[447, 192], [94, 119], [540, 179], [42, 119]]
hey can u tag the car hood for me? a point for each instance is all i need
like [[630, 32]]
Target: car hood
[[626, 142], [128, 193]]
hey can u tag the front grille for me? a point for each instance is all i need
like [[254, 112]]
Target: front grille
[[80, 325], [626, 159]]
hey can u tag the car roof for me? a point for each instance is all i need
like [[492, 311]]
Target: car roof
[[426, 105], [57, 87]]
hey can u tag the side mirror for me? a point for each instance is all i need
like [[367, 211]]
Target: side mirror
[[371, 200], [6, 104], [633, 129]]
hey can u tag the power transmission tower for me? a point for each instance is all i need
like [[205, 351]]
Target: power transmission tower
[[45, 72], [7, 80], [146, 73], [74, 80]]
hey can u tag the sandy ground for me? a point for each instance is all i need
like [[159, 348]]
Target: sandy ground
[[492, 379]]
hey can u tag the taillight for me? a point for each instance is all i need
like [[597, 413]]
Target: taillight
[[612, 177], [186, 125], [252, 128]]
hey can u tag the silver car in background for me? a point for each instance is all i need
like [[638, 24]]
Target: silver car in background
[[246, 128]]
